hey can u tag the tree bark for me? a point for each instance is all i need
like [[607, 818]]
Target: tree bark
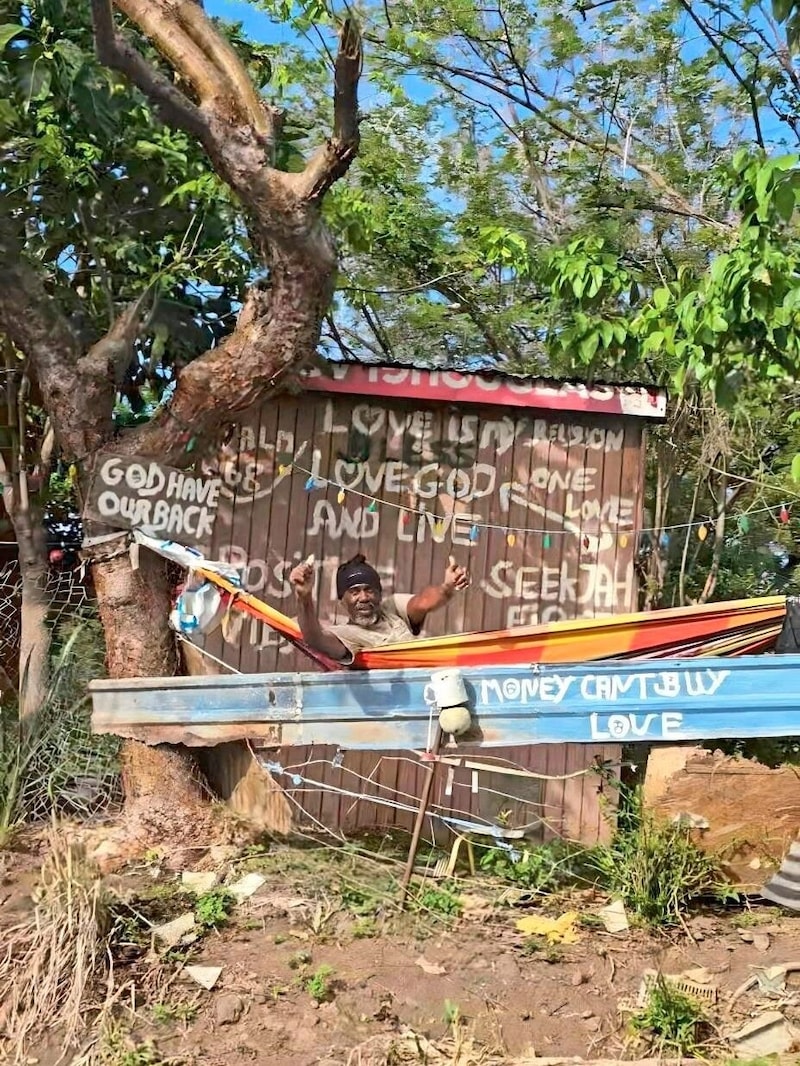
[[34, 637], [164, 790]]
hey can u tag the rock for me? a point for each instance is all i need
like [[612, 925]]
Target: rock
[[246, 886], [205, 976], [432, 968], [761, 941], [587, 1014], [578, 979], [768, 1034], [228, 1009], [614, 917], [746, 936], [199, 881], [178, 931]]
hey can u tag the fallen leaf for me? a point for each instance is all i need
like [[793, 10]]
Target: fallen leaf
[[429, 967], [559, 930]]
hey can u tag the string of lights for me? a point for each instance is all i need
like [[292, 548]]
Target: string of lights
[[408, 512]]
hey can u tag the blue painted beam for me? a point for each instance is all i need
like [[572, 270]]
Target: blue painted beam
[[625, 701]]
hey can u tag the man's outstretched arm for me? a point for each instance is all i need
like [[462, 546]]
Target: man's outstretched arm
[[433, 597], [315, 635]]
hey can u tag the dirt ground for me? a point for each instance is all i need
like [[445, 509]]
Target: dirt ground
[[319, 966]]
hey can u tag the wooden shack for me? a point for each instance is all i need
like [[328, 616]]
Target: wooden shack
[[535, 485]]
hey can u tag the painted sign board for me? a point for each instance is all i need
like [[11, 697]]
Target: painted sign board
[[129, 492], [610, 702], [452, 386]]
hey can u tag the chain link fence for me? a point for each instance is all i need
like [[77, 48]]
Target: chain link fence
[[51, 762]]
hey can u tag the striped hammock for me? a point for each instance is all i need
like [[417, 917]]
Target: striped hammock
[[738, 627]]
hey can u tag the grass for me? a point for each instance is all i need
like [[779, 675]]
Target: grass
[[318, 985], [654, 866], [672, 1022], [165, 1013], [52, 961]]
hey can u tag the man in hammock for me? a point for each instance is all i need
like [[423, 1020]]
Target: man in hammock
[[372, 620]]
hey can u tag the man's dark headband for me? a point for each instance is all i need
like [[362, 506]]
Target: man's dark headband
[[356, 573]]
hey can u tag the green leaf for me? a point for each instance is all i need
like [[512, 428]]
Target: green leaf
[[796, 468], [785, 200], [661, 298], [8, 31], [743, 522]]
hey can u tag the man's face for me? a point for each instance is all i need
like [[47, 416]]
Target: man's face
[[363, 605]]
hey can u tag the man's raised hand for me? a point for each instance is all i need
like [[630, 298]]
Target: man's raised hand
[[456, 578], [302, 579]]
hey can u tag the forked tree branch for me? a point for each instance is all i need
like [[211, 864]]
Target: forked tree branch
[[332, 160], [116, 52]]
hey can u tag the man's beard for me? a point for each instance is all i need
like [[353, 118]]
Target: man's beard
[[365, 616]]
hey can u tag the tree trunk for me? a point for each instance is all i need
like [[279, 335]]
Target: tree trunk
[[34, 638], [164, 790]]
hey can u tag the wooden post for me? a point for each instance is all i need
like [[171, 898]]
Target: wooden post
[[424, 801]]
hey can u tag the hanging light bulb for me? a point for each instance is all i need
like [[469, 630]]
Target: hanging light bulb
[[784, 514], [623, 540], [511, 539], [373, 506], [702, 532], [664, 540], [546, 541], [340, 496], [405, 518], [474, 533], [311, 484]]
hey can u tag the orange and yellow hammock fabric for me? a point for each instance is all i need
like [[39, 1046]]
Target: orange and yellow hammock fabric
[[738, 627]]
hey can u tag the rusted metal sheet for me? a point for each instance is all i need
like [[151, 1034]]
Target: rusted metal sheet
[[544, 511], [635, 701]]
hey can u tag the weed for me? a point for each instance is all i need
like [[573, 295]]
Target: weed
[[253, 923], [213, 908], [321, 916], [299, 960], [280, 938], [452, 1013], [318, 985], [174, 1012], [670, 1022], [532, 944], [654, 865], [749, 918], [542, 868], [358, 901], [440, 901], [365, 929]]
